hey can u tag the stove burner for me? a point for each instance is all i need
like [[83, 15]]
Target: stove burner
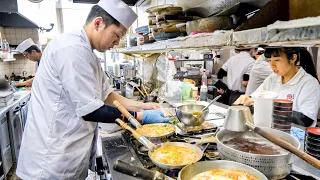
[[204, 128]]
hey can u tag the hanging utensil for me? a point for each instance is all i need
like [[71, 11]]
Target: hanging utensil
[[144, 89], [244, 123]]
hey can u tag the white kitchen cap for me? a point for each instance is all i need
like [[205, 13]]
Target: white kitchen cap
[[25, 45], [120, 11]]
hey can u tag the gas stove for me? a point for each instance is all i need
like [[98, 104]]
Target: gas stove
[[127, 148]]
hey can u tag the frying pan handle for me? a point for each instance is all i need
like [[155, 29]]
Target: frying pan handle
[[135, 134], [278, 141], [126, 114], [133, 170]]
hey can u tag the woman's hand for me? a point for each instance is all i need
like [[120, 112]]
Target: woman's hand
[[150, 106], [244, 100]]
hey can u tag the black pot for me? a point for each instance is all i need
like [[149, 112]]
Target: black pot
[[4, 85], [313, 140]]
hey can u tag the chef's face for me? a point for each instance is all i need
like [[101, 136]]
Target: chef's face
[[107, 37], [33, 56], [281, 65]]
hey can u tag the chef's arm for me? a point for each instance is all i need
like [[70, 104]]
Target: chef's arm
[[221, 73], [129, 104], [29, 82], [301, 119], [107, 114], [245, 80]]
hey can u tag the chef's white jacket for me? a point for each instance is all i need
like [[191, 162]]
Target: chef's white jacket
[[69, 84], [261, 69], [302, 89], [236, 67]]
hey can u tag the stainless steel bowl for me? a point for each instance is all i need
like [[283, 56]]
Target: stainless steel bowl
[[184, 114]]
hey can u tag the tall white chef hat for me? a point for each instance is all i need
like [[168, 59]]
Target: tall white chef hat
[[25, 45], [120, 11]]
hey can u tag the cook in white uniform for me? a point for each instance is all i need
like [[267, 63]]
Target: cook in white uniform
[[260, 71], [31, 51], [237, 69], [294, 78], [69, 97]]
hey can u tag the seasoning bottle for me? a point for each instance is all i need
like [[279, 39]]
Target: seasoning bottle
[[195, 93], [203, 92], [140, 39], [204, 77]]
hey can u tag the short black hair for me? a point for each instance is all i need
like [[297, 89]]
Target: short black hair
[[97, 11], [33, 47]]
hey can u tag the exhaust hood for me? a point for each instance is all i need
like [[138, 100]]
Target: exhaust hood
[[11, 17]]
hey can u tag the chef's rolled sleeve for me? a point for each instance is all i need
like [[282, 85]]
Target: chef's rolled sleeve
[[78, 74]]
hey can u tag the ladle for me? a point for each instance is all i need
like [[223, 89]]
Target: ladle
[[239, 119]]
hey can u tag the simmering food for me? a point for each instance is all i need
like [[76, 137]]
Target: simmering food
[[155, 130], [175, 155], [250, 146], [196, 114], [223, 174]]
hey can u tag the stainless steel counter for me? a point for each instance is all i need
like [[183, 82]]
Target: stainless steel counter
[[299, 165], [18, 97]]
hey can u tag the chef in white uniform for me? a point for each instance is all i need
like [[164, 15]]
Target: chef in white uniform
[[260, 71], [71, 94], [31, 51], [294, 78], [237, 69]]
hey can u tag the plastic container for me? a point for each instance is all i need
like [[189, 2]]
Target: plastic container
[[186, 91], [5, 45], [203, 92], [140, 39], [263, 106], [204, 78]]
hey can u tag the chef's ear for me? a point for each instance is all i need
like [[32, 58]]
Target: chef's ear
[[98, 21], [294, 59]]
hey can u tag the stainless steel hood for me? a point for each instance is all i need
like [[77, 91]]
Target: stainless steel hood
[[11, 17]]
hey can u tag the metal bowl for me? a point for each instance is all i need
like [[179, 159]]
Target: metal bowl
[[184, 114]]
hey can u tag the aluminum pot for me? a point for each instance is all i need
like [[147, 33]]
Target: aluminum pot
[[273, 166], [192, 170], [184, 114]]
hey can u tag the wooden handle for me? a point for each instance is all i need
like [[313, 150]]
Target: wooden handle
[[285, 145], [122, 109], [125, 126], [140, 92], [144, 89]]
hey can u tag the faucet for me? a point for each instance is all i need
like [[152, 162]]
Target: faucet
[[24, 73]]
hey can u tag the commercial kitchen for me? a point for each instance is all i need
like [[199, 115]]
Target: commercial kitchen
[[159, 89]]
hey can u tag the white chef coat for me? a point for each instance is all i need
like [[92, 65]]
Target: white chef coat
[[261, 69], [236, 67], [302, 89], [69, 84]]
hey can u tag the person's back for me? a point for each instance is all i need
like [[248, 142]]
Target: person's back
[[260, 71], [236, 67]]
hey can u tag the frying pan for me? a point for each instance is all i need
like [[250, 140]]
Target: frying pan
[[187, 172], [137, 125], [153, 147], [192, 170]]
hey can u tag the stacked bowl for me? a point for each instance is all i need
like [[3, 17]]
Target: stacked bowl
[[282, 115], [312, 142]]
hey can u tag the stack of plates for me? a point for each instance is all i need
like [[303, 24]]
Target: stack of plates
[[6, 98], [312, 142], [282, 115]]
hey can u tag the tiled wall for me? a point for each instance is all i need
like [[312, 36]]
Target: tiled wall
[[15, 36]]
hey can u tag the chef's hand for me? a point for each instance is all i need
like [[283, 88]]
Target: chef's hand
[[148, 106], [244, 100], [29, 82], [153, 116]]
